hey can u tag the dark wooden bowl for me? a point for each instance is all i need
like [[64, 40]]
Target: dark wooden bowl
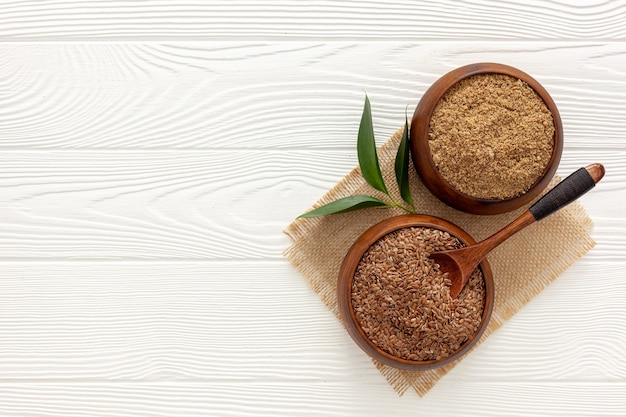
[[425, 166], [348, 269]]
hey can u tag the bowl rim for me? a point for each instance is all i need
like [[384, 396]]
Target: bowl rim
[[422, 157], [346, 275]]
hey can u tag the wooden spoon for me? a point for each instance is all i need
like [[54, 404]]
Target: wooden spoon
[[460, 263]]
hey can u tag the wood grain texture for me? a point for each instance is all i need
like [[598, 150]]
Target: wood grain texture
[[287, 95], [366, 20], [287, 399], [192, 204], [157, 204]]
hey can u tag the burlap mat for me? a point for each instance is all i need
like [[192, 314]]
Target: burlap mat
[[522, 266]]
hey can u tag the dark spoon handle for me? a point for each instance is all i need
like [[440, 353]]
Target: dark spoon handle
[[567, 191]]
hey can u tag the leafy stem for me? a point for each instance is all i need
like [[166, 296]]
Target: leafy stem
[[409, 209], [370, 169]]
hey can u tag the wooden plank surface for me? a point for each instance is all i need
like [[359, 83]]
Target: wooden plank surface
[[196, 204], [189, 399], [389, 20], [151, 154], [235, 95], [247, 321]]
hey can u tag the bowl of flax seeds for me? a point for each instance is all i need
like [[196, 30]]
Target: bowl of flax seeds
[[395, 302], [486, 138]]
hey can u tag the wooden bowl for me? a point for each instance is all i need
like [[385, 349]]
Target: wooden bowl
[[347, 272], [422, 157]]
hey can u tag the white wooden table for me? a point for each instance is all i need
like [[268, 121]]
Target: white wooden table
[[152, 152]]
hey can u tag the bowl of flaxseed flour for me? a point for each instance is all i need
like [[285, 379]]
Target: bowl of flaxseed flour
[[486, 138], [396, 303]]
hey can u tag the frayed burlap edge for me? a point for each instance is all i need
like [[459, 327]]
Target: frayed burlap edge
[[523, 266]]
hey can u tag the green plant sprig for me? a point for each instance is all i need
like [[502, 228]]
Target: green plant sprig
[[370, 169]]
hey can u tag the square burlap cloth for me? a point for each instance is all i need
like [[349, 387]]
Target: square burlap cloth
[[522, 266]]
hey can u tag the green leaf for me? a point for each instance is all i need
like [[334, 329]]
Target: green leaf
[[366, 151], [345, 204], [402, 165]]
